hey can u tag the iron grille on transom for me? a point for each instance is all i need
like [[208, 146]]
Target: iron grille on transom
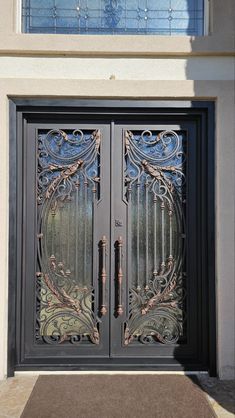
[[159, 17]]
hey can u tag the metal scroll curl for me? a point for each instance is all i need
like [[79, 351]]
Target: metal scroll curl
[[155, 167], [64, 306]]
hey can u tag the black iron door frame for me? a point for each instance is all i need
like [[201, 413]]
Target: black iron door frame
[[23, 111]]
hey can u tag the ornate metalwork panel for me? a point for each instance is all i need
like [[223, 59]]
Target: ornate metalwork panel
[[68, 182], [160, 17], [155, 193]]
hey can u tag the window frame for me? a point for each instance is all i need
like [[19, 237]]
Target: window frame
[[218, 41], [206, 24]]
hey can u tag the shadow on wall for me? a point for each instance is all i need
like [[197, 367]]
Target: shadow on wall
[[222, 31], [220, 392]]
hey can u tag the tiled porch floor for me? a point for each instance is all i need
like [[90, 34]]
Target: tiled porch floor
[[14, 393]]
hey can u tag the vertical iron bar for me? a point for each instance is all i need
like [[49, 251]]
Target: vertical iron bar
[[53, 231], [129, 240], [170, 258], [155, 236], [76, 223], [69, 212], [68, 234], [61, 234], [85, 231], [146, 236], [138, 234], [130, 226], [93, 246], [171, 237], [163, 235]]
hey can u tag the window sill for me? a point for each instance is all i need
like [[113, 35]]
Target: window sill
[[114, 45]]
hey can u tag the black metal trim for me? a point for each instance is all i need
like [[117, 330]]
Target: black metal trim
[[211, 234], [12, 263], [121, 366], [30, 108]]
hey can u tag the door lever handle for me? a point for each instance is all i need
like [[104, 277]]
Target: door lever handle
[[119, 276], [103, 245]]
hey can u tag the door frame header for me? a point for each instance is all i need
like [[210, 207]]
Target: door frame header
[[34, 103]]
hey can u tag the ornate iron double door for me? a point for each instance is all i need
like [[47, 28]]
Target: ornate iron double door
[[111, 276]]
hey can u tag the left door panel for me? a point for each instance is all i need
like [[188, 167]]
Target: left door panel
[[65, 238]]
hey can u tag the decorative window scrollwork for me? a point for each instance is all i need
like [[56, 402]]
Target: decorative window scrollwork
[[155, 193], [68, 183], [168, 17]]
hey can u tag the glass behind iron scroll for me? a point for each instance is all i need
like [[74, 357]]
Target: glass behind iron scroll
[[155, 194], [160, 17], [68, 188]]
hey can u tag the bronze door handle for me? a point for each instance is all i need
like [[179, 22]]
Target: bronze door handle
[[119, 276], [103, 245]]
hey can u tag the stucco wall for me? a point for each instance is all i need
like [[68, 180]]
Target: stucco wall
[[192, 68], [201, 68]]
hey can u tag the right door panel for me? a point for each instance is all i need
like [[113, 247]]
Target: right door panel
[[154, 202]]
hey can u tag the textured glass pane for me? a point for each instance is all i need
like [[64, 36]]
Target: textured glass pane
[[68, 187], [163, 17], [155, 192]]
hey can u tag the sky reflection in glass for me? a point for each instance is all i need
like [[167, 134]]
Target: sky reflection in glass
[[160, 17]]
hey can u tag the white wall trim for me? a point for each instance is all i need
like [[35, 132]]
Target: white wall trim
[[107, 372], [18, 15]]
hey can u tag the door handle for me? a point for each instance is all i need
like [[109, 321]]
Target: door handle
[[119, 276], [103, 244]]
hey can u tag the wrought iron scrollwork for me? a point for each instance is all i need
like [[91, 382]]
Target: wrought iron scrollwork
[[155, 176], [68, 170]]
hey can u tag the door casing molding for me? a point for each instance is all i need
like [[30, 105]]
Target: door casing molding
[[23, 109]]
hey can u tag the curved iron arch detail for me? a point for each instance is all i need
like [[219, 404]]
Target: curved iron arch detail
[[155, 162], [67, 161]]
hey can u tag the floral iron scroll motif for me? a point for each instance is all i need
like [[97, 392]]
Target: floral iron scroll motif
[[155, 193], [68, 188]]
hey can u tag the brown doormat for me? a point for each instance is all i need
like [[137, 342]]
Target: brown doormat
[[117, 396]]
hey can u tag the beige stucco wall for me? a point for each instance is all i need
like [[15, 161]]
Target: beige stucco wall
[[144, 67], [193, 68]]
